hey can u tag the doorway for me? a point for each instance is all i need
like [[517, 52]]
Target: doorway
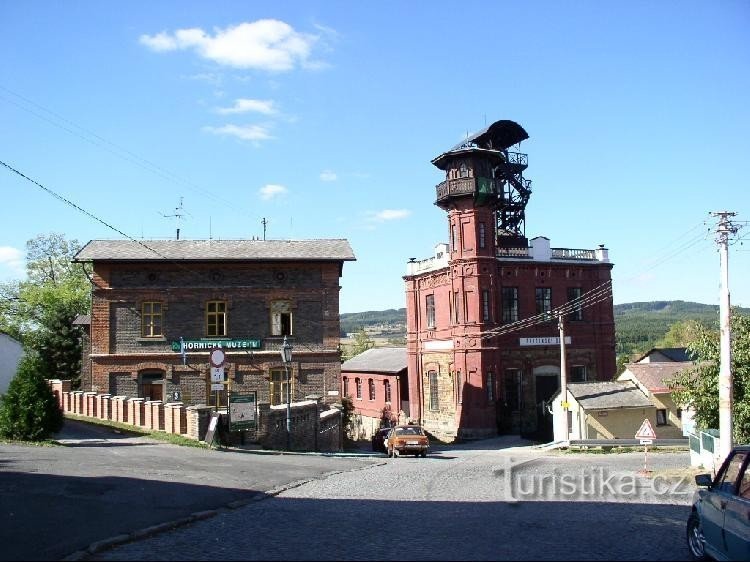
[[547, 379], [152, 386]]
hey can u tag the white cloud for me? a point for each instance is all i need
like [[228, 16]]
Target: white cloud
[[328, 175], [244, 132], [12, 259], [272, 190], [266, 44], [389, 215], [243, 105]]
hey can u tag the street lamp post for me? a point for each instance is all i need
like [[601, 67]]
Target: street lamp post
[[286, 357]]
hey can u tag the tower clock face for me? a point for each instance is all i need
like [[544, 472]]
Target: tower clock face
[[217, 357]]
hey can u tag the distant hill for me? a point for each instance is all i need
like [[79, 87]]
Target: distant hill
[[393, 317], [638, 325]]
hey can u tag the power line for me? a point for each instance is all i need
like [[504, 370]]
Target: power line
[[90, 137], [94, 217]]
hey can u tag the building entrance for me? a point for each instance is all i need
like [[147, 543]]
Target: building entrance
[[152, 386], [547, 379]]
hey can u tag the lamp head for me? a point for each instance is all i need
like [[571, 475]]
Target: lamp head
[[286, 351]]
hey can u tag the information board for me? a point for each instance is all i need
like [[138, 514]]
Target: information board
[[242, 411]]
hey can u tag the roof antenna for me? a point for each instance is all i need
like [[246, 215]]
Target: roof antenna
[[179, 213], [264, 222]]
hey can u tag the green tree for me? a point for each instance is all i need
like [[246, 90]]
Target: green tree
[[347, 416], [681, 333], [40, 310], [699, 387], [29, 411], [362, 343]]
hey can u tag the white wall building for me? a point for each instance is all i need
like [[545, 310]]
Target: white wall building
[[10, 355]]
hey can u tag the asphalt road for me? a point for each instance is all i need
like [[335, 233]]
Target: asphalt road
[[486, 501], [55, 501]]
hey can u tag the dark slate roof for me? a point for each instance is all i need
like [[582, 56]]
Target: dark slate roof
[[377, 360], [216, 250], [82, 320], [490, 140], [607, 395], [679, 354], [653, 376], [498, 136]]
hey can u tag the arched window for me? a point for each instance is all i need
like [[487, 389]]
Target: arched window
[[371, 389]]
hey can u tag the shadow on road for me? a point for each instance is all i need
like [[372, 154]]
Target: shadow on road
[[291, 528], [47, 517]]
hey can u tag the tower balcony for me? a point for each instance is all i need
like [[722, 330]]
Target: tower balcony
[[459, 187]]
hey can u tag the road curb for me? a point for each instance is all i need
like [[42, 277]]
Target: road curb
[[152, 530]]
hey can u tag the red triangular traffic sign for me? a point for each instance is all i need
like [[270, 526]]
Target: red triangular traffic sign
[[646, 431]]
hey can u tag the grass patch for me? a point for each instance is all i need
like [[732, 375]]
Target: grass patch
[[118, 427], [42, 443], [609, 450]]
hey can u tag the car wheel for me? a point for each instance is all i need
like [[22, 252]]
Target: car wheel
[[423, 454], [395, 453], [696, 541]]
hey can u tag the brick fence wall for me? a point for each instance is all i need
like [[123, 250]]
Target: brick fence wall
[[314, 425]]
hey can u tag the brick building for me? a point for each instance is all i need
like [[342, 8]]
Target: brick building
[[159, 306], [482, 330], [376, 379]]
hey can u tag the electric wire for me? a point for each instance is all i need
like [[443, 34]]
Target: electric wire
[[97, 140]]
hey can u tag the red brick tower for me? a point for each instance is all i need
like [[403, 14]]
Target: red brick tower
[[465, 382]]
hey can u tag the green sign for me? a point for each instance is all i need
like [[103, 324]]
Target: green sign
[[242, 411], [207, 344]]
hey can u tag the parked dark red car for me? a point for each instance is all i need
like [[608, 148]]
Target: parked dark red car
[[378, 439]]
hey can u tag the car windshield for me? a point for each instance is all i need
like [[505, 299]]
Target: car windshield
[[409, 431]]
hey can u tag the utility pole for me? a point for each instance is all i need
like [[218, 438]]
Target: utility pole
[[563, 376], [724, 229], [264, 222]]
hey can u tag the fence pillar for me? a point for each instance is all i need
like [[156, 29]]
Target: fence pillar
[[103, 406], [135, 411]]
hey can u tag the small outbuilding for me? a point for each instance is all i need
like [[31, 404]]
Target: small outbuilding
[[376, 381], [652, 378], [602, 410]]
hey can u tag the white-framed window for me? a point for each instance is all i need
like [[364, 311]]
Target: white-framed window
[[543, 299], [281, 318], [485, 305], [151, 319], [510, 304], [279, 388], [433, 382], [574, 295], [578, 373], [490, 387], [429, 304], [216, 318]]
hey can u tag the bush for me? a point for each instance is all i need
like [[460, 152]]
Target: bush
[[29, 411]]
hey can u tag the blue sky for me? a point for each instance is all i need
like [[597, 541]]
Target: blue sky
[[322, 118]]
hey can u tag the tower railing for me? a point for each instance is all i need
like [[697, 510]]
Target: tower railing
[[457, 186]]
